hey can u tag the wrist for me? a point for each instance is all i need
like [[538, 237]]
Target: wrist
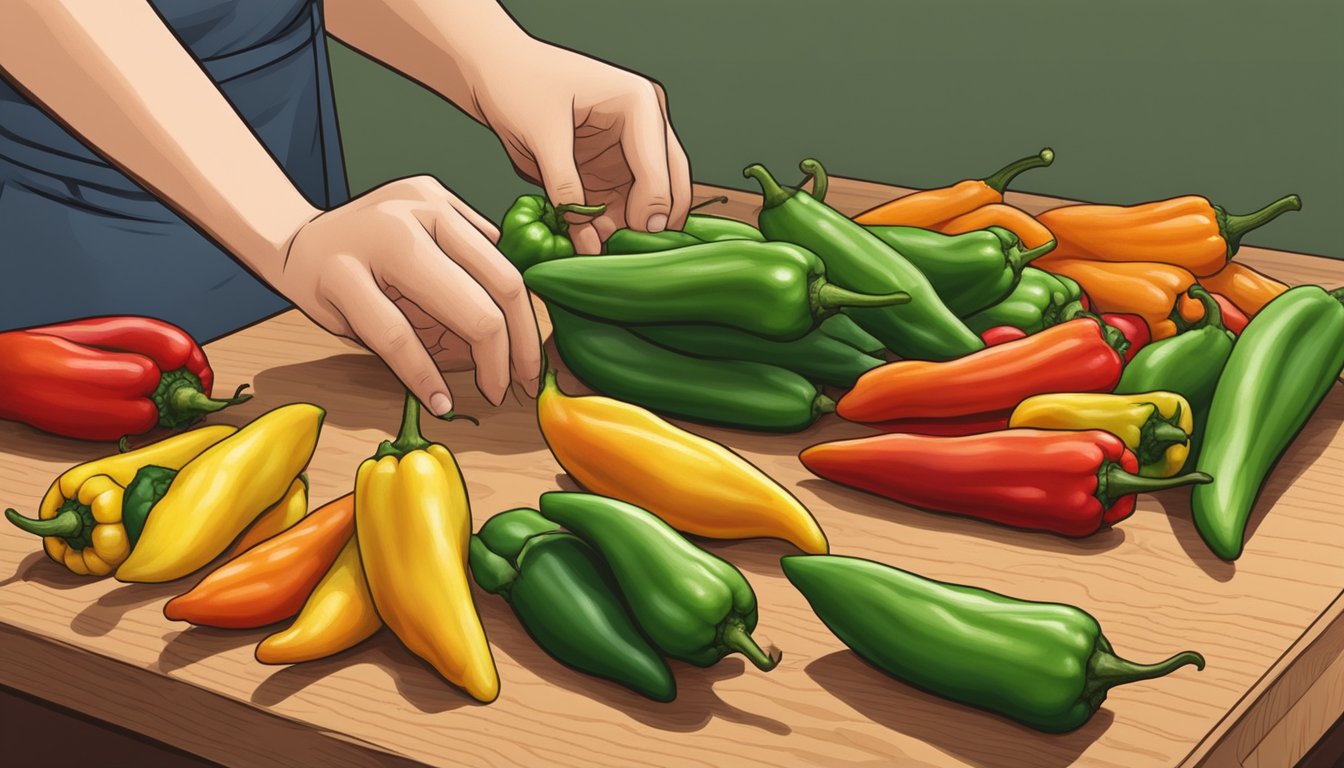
[[271, 237]]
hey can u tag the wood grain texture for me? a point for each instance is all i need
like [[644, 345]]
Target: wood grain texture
[[1268, 625]]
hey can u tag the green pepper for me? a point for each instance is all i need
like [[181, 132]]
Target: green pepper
[[1043, 664], [1038, 301], [624, 241], [1188, 364], [534, 231], [715, 228], [693, 605], [923, 329], [566, 599], [775, 290], [732, 393], [1280, 370], [816, 356], [970, 271], [843, 328]]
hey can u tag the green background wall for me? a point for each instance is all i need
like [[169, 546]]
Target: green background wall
[[1240, 101]]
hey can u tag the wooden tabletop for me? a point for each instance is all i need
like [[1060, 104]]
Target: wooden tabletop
[[1269, 625]]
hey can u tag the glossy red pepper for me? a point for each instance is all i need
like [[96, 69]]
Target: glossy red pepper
[[1070, 483], [1133, 327], [1234, 319], [977, 392], [1001, 333], [105, 378]]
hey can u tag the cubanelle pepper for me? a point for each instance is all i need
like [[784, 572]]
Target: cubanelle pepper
[[1156, 426], [930, 207]]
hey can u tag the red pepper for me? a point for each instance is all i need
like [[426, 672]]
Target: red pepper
[[1070, 483], [1234, 319], [105, 378], [1133, 327], [979, 391], [1001, 333]]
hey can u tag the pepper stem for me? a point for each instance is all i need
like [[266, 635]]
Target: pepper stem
[[736, 637], [409, 438], [1213, 313], [773, 195], [1105, 670], [823, 405], [711, 201], [67, 524], [1157, 435], [1233, 227], [1019, 259], [828, 298], [1000, 179], [1116, 483], [180, 399], [820, 181], [554, 216]]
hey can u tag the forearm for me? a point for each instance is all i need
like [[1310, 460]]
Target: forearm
[[445, 46], [113, 73]]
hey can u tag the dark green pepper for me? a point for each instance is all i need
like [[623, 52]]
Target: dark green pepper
[[534, 231], [1038, 301], [566, 599], [775, 290], [731, 393], [716, 228], [1280, 370], [970, 271], [1188, 364], [816, 356], [1043, 664], [923, 329], [624, 241], [843, 328], [693, 605]]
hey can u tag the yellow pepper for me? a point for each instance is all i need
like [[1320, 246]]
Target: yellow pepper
[[1156, 426], [695, 485], [339, 614], [413, 524], [276, 520], [69, 524], [222, 491]]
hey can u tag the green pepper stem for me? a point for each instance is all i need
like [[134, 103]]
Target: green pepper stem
[[820, 181], [828, 298], [1233, 227], [772, 194], [1119, 483], [711, 201], [66, 524], [1156, 436], [1113, 336], [1213, 313], [490, 571], [823, 405], [1000, 179], [554, 216], [409, 438], [1019, 259], [184, 401], [736, 637], [1105, 670]]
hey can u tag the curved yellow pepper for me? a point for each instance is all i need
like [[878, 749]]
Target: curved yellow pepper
[[1156, 426], [276, 520], [339, 614], [219, 493], [413, 524], [694, 484]]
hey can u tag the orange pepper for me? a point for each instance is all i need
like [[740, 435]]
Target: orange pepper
[[1248, 289], [1186, 231], [934, 206], [1150, 290], [1031, 232], [271, 581], [278, 519]]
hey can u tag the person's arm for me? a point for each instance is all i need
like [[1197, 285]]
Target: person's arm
[[586, 131], [114, 74]]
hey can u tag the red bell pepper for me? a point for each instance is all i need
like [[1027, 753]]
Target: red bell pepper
[[1133, 327], [979, 391], [105, 378], [1001, 333], [1070, 483], [1234, 319]]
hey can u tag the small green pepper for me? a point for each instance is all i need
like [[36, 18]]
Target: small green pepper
[[693, 605], [815, 355], [775, 290], [1038, 301], [534, 231], [1043, 664]]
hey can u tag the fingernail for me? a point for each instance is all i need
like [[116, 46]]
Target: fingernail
[[439, 404], [657, 222]]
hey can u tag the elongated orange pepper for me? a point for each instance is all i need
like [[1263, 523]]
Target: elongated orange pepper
[[275, 520], [1150, 290], [1245, 287], [1031, 232], [1186, 231], [271, 581], [933, 206]]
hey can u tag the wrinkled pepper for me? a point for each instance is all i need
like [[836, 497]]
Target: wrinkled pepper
[[289, 510], [1038, 301], [622, 451], [216, 495], [978, 392], [534, 231], [1156, 426], [692, 605], [930, 207], [856, 259], [338, 615], [1187, 232], [733, 393], [413, 524], [814, 356], [271, 581], [1071, 483], [1046, 665], [1245, 287], [1031, 232], [1150, 290], [106, 377], [67, 524], [566, 598], [1280, 370], [774, 290]]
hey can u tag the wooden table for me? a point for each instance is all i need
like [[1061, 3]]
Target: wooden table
[[1270, 625]]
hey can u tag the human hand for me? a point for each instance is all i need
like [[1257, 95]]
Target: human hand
[[411, 272], [588, 133]]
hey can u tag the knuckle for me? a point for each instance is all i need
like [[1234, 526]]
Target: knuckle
[[392, 340], [512, 288], [488, 325]]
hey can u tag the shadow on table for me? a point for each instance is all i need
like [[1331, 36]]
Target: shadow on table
[[102, 615], [971, 735], [40, 569], [864, 503], [192, 645]]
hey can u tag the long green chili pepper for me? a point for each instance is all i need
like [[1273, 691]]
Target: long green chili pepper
[[816, 356], [843, 328]]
